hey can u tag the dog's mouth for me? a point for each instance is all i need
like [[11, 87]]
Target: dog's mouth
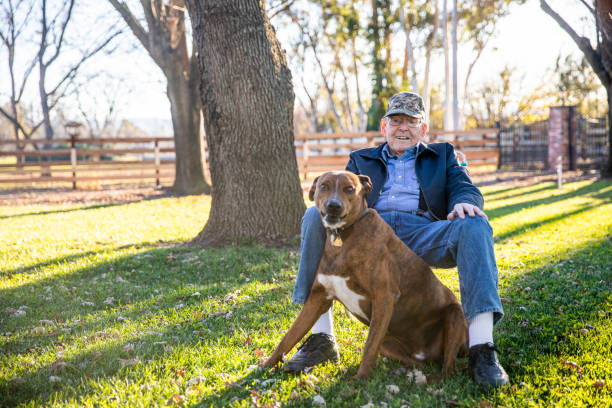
[[333, 221]]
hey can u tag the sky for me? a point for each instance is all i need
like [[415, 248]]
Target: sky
[[527, 39]]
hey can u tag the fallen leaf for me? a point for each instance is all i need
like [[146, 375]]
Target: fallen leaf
[[195, 380], [109, 300], [130, 362], [128, 348], [599, 384], [573, 365], [46, 322], [319, 401], [38, 330], [392, 388], [177, 399], [54, 379], [87, 304], [58, 366], [247, 342], [258, 352]]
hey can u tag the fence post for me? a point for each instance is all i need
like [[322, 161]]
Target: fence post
[[73, 161], [305, 154], [157, 162], [571, 137], [370, 141]]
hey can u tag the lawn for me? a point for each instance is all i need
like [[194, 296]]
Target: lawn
[[106, 305]]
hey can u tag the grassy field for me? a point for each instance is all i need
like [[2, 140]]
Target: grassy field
[[105, 305]]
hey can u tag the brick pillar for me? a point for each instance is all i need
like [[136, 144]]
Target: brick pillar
[[561, 125]]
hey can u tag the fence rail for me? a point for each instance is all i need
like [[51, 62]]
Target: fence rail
[[85, 160]]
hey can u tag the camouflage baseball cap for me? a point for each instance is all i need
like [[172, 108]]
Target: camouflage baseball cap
[[406, 103]]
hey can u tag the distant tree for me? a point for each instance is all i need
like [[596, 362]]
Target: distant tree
[[164, 37], [16, 31], [596, 50], [576, 83], [247, 101], [379, 33]]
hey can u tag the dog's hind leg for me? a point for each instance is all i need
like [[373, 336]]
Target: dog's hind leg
[[455, 337], [316, 304], [393, 348]]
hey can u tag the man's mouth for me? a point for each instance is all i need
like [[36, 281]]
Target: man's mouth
[[402, 137]]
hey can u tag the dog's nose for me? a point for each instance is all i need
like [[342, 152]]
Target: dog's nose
[[333, 206]]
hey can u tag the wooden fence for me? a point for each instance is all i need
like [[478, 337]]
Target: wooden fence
[[89, 161], [320, 152]]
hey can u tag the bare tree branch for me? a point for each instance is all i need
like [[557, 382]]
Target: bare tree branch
[[72, 72], [587, 5], [137, 29], [583, 43], [58, 44], [281, 8]]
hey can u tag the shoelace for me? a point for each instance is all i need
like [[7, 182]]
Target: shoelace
[[490, 356], [309, 344]]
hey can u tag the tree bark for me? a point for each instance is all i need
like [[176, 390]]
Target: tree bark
[[185, 108], [247, 101], [166, 42]]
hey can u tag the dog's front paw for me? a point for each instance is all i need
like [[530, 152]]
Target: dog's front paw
[[271, 361]]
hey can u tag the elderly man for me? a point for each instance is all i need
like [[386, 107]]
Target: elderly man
[[430, 202]]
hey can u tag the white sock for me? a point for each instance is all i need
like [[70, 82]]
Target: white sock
[[481, 329], [325, 323]]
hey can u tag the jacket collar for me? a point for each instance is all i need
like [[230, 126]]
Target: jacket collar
[[376, 153]]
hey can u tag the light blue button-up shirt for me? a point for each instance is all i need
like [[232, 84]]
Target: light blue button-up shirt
[[401, 189]]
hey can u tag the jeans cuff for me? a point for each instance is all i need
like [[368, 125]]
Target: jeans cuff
[[297, 299]]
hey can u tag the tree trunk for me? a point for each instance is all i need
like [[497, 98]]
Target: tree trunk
[[185, 110], [247, 101], [607, 168]]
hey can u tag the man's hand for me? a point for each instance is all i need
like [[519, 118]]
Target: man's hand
[[462, 208]]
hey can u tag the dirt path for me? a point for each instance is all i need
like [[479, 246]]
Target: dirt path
[[126, 193]]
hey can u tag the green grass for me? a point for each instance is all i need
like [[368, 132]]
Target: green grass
[[104, 305]]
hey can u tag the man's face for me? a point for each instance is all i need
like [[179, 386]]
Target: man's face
[[402, 132]]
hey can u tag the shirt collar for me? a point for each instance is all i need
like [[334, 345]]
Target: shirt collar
[[409, 153]]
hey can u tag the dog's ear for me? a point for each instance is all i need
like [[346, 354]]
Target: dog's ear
[[366, 183], [313, 189]]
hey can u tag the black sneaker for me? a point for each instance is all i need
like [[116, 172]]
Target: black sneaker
[[317, 349], [484, 366]]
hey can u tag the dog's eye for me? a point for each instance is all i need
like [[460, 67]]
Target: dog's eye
[[349, 189], [323, 187]]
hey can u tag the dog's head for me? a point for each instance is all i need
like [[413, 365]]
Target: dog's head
[[340, 197]]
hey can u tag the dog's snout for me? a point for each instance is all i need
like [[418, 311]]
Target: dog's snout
[[333, 206]]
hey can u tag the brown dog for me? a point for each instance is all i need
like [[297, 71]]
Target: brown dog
[[412, 316]]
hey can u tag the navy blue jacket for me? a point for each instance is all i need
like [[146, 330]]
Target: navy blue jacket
[[443, 182]]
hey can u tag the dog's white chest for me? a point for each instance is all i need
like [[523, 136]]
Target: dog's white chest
[[336, 287]]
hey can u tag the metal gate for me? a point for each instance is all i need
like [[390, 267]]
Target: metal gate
[[591, 141], [524, 146]]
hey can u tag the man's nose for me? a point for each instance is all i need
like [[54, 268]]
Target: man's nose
[[333, 206]]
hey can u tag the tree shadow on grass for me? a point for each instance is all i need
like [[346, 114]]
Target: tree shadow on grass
[[588, 189], [549, 306], [503, 194], [80, 207], [162, 302], [535, 224]]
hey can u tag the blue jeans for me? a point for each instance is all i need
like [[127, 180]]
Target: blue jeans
[[467, 244]]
